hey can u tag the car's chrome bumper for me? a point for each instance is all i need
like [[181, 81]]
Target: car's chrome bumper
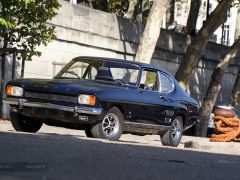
[[76, 109]]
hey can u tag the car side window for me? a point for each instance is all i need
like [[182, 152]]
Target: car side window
[[166, 83], [149, 80]]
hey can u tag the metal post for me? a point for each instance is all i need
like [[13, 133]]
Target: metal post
[[223, 34], [22, 69], [14, 65], [208, 8], [2, 84]]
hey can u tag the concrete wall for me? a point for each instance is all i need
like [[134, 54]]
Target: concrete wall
[[82, 31]]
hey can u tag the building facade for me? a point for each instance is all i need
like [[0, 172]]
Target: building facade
[[224, 34]]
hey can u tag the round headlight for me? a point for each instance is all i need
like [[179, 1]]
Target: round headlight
[[14, 91]]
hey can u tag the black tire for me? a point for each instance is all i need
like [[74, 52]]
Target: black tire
[[88, 132], [25, 124], [111, 127], [171, 138]]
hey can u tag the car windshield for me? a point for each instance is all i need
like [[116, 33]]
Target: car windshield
[[102, 70]]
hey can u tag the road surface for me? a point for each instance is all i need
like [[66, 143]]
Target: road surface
[[59, 153]]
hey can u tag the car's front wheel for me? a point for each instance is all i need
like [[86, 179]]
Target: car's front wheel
[[25, 124], [110, 127], [174, 134], [88, 132]]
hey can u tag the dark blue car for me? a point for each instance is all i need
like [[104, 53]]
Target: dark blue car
[[106, 98]]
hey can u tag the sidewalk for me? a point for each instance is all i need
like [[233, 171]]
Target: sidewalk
[[204, 144]]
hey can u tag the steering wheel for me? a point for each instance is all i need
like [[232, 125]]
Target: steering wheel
[[73, 73], [121, 81]]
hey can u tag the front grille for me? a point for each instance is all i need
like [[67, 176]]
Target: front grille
[[51, 97]]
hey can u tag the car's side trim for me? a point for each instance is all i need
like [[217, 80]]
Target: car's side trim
[[143, 128], [76, 109], [150, 126]]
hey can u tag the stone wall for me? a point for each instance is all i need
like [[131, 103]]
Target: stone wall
[[82, 31]]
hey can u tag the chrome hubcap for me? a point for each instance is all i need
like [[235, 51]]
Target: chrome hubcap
[[110, 124], [176, 130]]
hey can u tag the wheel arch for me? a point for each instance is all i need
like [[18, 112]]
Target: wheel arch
[[109, 105], [183, 116]]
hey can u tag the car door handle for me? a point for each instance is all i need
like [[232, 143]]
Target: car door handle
[[162, 98]]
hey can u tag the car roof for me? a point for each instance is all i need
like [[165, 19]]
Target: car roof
[[140, 64]]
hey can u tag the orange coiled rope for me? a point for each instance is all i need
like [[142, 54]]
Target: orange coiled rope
[[228, 129]]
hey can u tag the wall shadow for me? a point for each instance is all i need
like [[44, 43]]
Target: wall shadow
[[130, 32]]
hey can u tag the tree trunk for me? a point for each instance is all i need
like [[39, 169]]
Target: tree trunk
[[152, 31], [198, 45], [215, 86], [131, 9], [237, 28], [193, 16], [170, 14], [235, 99]]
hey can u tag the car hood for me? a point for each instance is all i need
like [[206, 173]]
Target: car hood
[[64, 86]]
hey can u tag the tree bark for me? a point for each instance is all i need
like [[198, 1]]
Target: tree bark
[[237, 28], [131, 9], [152, 31], [235, 98], [215, 86], [170, 14], [198, 45], [193, 16]]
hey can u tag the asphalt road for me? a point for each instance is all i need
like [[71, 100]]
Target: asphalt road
[[58, 153]]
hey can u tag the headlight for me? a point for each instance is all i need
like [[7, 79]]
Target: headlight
[[86, 99], [14, 91]]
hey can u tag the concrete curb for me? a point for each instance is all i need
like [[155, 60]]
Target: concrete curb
[[206, 145]]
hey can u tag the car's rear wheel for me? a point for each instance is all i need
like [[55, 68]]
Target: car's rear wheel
[[174, 134], [25, 124], [110, 127]]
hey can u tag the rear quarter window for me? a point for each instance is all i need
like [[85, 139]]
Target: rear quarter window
[[166, 83]]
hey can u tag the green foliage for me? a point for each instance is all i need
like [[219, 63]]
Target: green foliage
[[112, 6], [5, 23], [100, 5], [118, 7], [23, 24]]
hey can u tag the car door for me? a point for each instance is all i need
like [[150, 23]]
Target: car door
[[167, 94], [150, 102]]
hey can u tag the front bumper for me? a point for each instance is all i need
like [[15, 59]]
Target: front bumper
[[76, 109]]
